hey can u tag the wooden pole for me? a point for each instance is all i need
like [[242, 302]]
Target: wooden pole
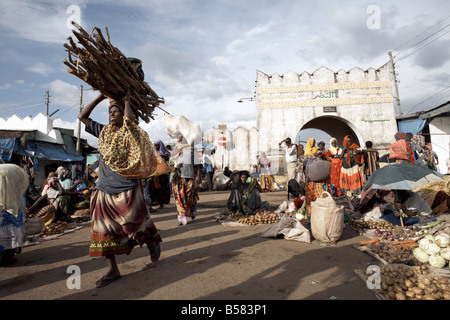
[[394, 77], [79, 122], [47, 100]]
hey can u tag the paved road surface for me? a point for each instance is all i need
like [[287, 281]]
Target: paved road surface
[[203, 260]]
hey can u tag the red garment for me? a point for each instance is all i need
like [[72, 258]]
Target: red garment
[[298, 202], [120, 221], [314, 190], [336, 165]]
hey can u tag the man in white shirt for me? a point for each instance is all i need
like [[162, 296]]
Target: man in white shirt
[[291, 158]]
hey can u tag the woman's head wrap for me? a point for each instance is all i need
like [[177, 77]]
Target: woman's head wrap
[[13, 184], [310, 148], [333, 149], [115, 103]]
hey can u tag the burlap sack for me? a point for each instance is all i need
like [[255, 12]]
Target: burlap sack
[[327, 219]]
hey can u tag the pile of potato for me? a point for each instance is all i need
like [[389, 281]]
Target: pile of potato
[[403, 283], [379, 224], [54, 228], [259, 218]]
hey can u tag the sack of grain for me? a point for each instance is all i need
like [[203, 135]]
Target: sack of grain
[[327, 219]]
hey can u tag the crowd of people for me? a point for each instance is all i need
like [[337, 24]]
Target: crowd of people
[[344, 170], [54, 200], [121, 200]]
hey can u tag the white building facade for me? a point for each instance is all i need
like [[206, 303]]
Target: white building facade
[[356, 102]]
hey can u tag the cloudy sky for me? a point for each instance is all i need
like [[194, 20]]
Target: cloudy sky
[[202, 55]]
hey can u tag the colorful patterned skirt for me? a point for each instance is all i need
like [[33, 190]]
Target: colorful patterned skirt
[[351, 180], [186, 197], [313, 191], [120, 222]]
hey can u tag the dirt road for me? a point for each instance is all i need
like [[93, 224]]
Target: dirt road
[[203, 260]]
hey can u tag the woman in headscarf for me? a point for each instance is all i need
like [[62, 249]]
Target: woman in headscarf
[[266, 177], [305, 155], [159, 187], [311, 149], [351, 178], [13, 185], [333, 154], [411, 158], [185, 175], [119, 214], [56, 195], [245, 194]]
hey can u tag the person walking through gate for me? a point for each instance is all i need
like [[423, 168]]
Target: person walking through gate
[[119, 214], [185, 177]]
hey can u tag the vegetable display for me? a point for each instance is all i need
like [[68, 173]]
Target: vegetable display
[[395, 253], [434, 250], [55, 228], [412, 283], [361, 224]]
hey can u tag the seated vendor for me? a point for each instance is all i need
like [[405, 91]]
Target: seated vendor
[[412, 204], [57, 195], [245, 194]]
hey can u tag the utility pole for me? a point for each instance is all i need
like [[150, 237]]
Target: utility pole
[[47, 100], [394, 77], [79, 122]]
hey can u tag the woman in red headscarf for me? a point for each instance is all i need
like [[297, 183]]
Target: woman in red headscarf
[[351, 177]]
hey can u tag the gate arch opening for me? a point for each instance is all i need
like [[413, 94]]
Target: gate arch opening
[[327, 127]]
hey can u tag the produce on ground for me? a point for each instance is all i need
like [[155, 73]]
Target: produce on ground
[[406, 283], [434, 249], [409, 232], [361, 224], [388, 235], [259, 218], [394, 253], [55, 228]]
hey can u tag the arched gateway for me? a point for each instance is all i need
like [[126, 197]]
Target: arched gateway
[[358, 102]]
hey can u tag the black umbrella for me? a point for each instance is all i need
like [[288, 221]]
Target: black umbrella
[[385, 158]]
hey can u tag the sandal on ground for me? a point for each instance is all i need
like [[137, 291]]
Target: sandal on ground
[[105, 280]]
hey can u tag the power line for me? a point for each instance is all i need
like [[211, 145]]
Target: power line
[[427, 44], [434, 95], [420, 34], [426, 38], [20, 108]]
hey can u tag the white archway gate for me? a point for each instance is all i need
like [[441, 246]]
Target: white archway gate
[[358, 102]]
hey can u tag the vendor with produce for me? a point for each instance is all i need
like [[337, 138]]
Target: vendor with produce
[[245, 193], [396, 205]]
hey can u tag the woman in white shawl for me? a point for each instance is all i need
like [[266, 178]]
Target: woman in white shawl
[[13, 185]]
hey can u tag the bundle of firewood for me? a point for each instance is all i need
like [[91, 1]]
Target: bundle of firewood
[[105, 68]]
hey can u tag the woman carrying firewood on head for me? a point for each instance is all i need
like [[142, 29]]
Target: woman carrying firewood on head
[[119, 214]]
